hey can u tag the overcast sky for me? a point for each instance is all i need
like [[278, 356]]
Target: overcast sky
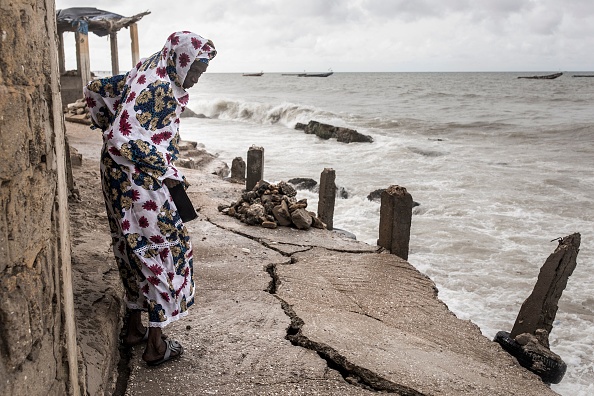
[[362, 35]]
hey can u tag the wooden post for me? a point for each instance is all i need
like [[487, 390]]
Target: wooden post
[[395, 221], [539, 310], [255, 167], [61, 56], [83, 60], [327, 197], [134, 44], [115, 63]]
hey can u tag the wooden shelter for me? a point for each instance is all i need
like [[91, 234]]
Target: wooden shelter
[[82, 21]]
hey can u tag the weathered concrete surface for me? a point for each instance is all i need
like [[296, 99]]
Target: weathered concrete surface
[[289, 312], [38, 351], [98, 292]]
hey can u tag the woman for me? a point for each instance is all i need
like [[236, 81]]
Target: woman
[[139, 115]]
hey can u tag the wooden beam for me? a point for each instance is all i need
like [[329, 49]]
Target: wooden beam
[[134, 44], [115, 63], [83, 60], [61, 56]]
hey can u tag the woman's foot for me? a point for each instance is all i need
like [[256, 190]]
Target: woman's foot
[[157, 350], [136, 333]]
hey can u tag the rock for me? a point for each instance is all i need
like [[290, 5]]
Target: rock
[[342, 134], [376, 195], [300, 126], [286, 189], [301, 204], [238, 169], [184, 145], [316, 222], [189, 113], [303, 183], [346, 135], [269, 224], [254, 214], [302, 219], [282, 215]]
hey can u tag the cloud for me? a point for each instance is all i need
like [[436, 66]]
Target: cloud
[[368, 35]]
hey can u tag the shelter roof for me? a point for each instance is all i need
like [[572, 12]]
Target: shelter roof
[[88, 19]]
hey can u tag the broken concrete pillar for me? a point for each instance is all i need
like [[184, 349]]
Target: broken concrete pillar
[[255, 167], [395, 220], [327, 197], [238, 169], [538, 311]]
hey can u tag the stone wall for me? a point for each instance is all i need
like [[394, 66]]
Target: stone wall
[[38, 354]]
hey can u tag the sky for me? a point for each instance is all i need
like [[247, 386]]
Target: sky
[[361, 35]]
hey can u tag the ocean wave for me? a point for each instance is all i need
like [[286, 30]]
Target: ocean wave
[[287, 114]]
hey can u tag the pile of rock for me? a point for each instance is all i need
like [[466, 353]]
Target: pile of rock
[[77, 112], [273, 205], [193, 156], [327, 131]]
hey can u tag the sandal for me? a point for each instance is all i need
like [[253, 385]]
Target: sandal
[[172, 346]]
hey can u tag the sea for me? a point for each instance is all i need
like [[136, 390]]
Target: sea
[[500, 167]]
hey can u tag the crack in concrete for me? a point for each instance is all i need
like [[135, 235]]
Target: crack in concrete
[[353, 374], [263, 242]]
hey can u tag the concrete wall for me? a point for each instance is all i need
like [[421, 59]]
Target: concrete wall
[[38, 354]]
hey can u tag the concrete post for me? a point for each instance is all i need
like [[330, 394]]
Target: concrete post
[[395, 220], [134, 44], [539, 310], [115, 63], [83, 60], [327, 197], [255, 167], [238, 169]]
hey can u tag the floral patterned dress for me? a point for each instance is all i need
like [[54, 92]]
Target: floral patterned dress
[[139, 115]]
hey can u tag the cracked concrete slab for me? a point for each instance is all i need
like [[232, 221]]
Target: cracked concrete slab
[[375, 311]]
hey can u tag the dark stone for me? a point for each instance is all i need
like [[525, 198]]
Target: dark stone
[[281, 214], [189, 113], [376, 195], [238, 169], [286, 189], [344, 135], [303, 183], [302, 219], [301, 127]]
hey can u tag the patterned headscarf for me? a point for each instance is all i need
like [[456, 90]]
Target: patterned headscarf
[[139, 112]]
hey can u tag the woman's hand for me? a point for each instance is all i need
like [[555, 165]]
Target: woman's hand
[[171, 183]]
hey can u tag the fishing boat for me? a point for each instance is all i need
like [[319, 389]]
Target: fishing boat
[[315, 74], [253, 74], [547, 77]]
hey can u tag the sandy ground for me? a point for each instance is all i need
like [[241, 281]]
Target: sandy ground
[[282, 312]]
